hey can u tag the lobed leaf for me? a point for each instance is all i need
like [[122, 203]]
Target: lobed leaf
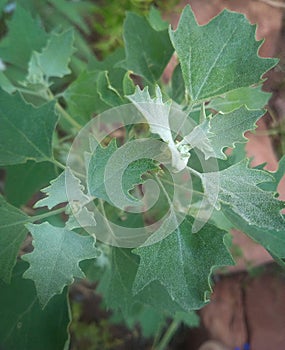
[[223, 130], [183, 263], [25, 35], [54, 58], [145, 59], [26, 132], [215, 58], [57, 251], [65, 188], [237, 188]]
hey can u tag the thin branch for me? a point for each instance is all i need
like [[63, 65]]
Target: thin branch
[[46, 215]]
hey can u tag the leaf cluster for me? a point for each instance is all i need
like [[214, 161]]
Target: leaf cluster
[[46, 100]]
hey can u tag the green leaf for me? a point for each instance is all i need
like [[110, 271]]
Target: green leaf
[[228, 129], [155, 19], [57, 191], [142, 58], [26, 132], [5, 84], [23, 180], [191, 319], [25, 326], [272, 240], [277, 175], [218, 57], [177, 85], [223, 130], [237, 187], [74, 11], [25, 35], [117, 282], [58, 252], [107, 92], [54, 58], [82, 97], [12, 235], [149, 320], [97, 181], [183, 263], [252, 98], [128, 84]]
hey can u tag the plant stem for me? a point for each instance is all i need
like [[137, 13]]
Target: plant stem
[[63, 112], [168, 335], [46, 215], [58, 164], [195, 172], [67, 116]]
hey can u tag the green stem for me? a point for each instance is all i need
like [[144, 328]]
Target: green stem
[[195, 172], [46, 215], [168, 335], [58, 164], [63, 112], [67, 116]]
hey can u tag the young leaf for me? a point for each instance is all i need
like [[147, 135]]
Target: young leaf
[[57, 191], [58, 252], [238, 189], [183, 263], [27, 326], [53, 60], [214, 58], [156, 113], [223, 130], [145, 59], [26, 132], [12, 235], [32, 35], [250, 97]]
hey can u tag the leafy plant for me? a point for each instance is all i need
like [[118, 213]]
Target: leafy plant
[[142, 192]]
